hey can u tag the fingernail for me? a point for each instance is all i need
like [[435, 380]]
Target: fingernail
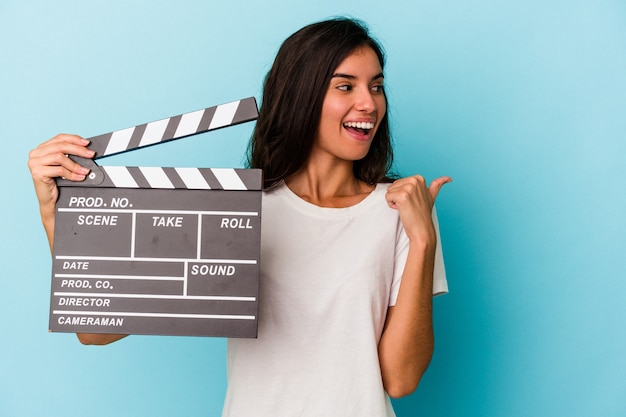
[[85, 141], [84, 170]]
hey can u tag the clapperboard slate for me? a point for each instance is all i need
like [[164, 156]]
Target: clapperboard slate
[[154, 250]]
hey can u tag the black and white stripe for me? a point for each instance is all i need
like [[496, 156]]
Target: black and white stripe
[[175, 127], [182, 178]]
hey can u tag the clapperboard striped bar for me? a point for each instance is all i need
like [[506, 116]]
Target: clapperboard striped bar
[[182, 178], [175, 127], [160, 131]]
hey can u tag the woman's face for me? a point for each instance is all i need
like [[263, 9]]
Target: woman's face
[[353, 107]]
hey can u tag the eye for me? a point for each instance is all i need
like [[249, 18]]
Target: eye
[[344, 87], [378, 88]]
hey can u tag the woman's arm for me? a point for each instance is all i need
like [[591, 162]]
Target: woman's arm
[[407, 342], [47, 161]]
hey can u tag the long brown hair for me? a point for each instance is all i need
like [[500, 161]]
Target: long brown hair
[[293, 95]]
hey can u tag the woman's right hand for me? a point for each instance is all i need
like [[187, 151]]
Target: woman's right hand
[[50, 160]]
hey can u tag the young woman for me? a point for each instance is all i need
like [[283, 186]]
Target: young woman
[[349, 258]]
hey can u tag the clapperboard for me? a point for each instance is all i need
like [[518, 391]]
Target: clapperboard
[[156, 250]]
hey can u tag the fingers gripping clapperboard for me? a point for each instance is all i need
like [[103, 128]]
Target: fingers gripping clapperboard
[[156, 250]]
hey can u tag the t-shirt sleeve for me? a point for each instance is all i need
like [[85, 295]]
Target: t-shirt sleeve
[[440, 283]]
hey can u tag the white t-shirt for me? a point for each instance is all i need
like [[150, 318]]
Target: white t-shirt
[[328, 276]]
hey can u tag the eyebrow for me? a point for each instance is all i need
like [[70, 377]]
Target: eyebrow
[[353, 77]]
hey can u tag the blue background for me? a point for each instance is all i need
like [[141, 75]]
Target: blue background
[[521, 102]]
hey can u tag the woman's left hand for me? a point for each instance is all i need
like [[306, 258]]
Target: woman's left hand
[[414, 200]]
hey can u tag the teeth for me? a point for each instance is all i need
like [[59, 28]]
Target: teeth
[[360, 125]]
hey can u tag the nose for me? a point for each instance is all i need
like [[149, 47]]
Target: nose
[[365, 101]]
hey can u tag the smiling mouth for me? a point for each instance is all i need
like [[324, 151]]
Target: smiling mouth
[[362, 128]]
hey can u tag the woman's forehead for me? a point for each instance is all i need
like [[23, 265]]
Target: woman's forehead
[[362, 59]]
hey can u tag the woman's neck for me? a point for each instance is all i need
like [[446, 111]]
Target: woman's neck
[[329, 185]]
